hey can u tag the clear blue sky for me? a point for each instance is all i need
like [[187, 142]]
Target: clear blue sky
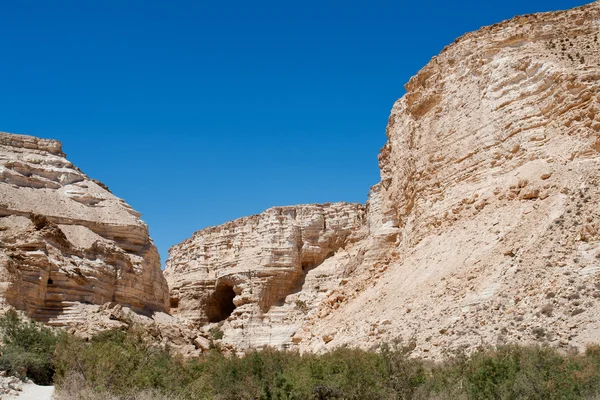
[[199, 112]]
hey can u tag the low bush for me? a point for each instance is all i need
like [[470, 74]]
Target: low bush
[[124, 365], [27, 348], [130, 365], [121, 363]]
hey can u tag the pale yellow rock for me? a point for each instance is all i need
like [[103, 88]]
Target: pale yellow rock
[[248, 272], [328, 337], [202, 343], [507, 93], [65, 240], [486, 212]]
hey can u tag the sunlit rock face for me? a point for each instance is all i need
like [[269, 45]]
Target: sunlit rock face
[[246, 269], [66, 240], [490, 176], [484, 228]]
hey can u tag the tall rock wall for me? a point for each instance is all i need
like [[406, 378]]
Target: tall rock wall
[[484, 228], [490, 175], [65, 240], [246, 269]]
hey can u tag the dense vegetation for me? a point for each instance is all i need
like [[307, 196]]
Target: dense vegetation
[[127, 365], [27, 349]]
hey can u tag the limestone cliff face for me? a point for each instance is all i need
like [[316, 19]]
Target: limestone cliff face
[[483, 229], [490, 176], [519, 95], [65, 240], [242, 270]]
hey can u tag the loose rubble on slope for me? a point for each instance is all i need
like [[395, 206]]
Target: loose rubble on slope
[[10, 385]]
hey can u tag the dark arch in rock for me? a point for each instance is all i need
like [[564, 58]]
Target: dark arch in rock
[[220, 304]]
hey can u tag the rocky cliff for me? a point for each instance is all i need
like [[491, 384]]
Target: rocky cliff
[[67, 241], [484, 228], [245, 271]]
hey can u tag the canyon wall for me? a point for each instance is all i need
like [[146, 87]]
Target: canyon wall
[[490, 174], [246, 269], [484, 228], [67, 241]]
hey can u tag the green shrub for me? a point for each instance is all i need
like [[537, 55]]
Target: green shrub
[[130, 365], [27, 348], [126, 363], [517, 372], [404, 375], [216, 333], [121, 363]]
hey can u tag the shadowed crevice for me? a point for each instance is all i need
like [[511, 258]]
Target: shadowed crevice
[[220, 304]]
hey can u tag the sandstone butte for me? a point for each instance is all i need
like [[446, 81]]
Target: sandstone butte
[[484, 228]]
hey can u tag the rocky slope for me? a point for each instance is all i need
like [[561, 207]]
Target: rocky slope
[[66, 241], [484, 228]]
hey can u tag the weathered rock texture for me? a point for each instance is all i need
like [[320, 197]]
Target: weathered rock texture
[[244, 269], [65, 240], [484, 228]]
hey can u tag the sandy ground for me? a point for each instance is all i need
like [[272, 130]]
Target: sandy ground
[[33, 392]]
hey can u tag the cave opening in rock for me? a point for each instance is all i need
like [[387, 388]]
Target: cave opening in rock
[[174, 302], [220, 305], [50, 281], [307, 266]]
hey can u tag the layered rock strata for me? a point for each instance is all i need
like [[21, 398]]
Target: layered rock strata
[[245, 270], [484, 228], [66, 240], [490, 173]]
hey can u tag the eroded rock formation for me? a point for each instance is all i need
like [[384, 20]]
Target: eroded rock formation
[[65, 240], [484, 228], [242, 270], [490, 174]]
